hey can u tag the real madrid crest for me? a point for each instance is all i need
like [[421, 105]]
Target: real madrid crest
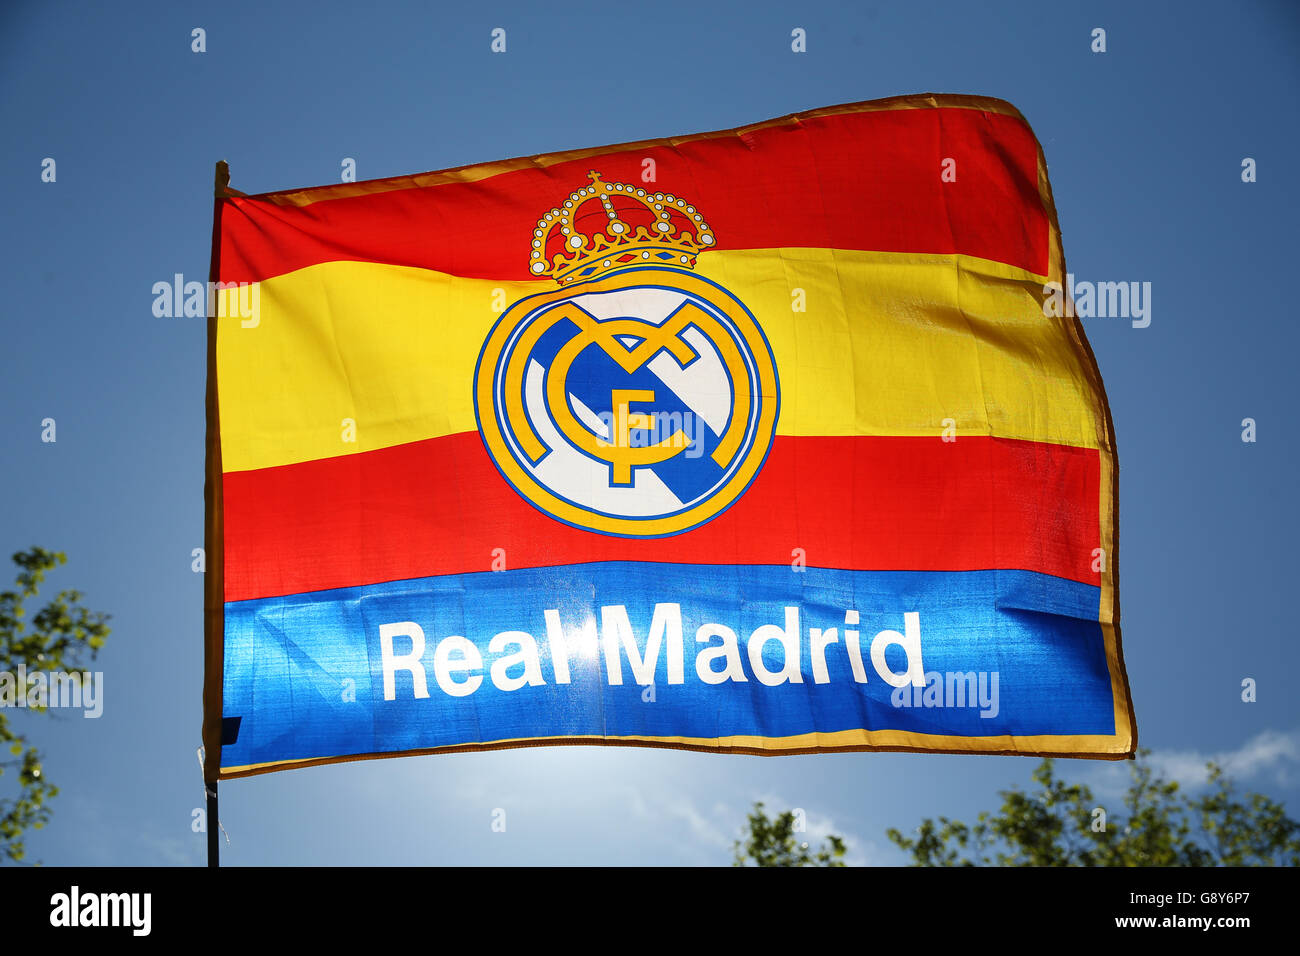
[[638, 399]]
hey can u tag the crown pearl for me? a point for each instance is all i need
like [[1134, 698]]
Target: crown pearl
[[649, 237]]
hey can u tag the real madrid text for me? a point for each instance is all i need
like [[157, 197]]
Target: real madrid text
[[771, 654]]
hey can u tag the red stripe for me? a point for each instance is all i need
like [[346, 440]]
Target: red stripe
[[857, 181], [440, 507]]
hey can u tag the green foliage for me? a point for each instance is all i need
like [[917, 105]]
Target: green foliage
[[772, 842], [60, 635], [1054, 826]]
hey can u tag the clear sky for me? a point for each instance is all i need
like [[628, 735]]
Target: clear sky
[[1144, 142]]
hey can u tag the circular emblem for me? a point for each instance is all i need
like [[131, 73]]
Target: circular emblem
[[639, 403]]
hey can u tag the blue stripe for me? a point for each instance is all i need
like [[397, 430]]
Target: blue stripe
[[304, 673]]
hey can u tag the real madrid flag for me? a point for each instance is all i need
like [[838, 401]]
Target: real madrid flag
[[771, 440]]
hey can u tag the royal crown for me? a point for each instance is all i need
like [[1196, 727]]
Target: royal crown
[[604, 226]]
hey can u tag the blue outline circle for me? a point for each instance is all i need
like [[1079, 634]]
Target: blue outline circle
[[776, 375]]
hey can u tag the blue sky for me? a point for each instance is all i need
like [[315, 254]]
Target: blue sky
[[1144, 145]]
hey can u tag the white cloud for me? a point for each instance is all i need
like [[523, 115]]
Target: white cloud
[[1271, 754], [672, 812]]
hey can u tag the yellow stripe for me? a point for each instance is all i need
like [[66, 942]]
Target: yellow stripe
[[887, 344], [1101, 746]]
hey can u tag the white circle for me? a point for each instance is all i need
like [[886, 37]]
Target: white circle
[[576, 242]]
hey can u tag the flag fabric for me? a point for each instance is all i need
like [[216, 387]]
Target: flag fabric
[[767, 440]]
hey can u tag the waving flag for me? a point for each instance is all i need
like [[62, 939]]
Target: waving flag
[[764, 441]]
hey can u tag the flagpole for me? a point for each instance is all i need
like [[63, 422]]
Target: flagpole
[[214, 826], [214, 562]]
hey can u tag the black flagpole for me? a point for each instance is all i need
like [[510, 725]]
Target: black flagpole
[[213, 607], [214, 825]]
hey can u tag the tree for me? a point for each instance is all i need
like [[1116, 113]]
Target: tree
[[61, 634], [1060, 824], [771, 842]]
